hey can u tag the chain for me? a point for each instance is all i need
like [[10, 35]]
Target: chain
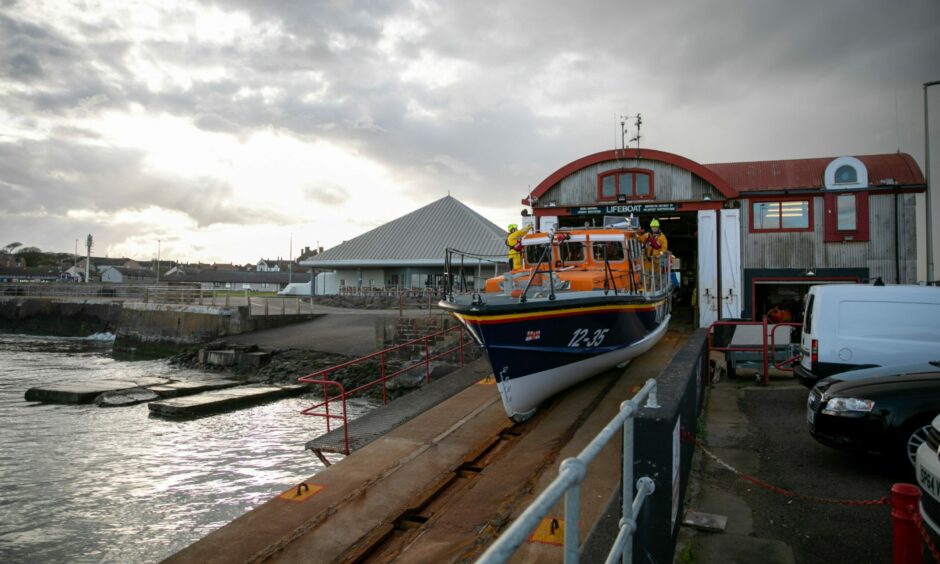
[[923, 533], [758, 482]]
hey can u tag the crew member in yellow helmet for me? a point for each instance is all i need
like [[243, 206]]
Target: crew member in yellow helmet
[[655, 242], [514, 242]]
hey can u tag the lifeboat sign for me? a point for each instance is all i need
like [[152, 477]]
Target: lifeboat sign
[[617, 209]]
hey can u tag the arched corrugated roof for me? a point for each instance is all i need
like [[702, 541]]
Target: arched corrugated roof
[[647, 154]]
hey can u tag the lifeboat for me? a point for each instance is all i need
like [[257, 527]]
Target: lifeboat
[[584, 301]]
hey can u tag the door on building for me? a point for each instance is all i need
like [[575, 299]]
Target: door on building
[[730, 264], [719, 286], [707, 289]]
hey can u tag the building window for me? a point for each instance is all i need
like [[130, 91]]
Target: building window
[[845, 212], [846, 217], [846, 174], [634, 184], [781, 215]]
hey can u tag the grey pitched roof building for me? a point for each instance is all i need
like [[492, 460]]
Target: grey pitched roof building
[[418, 239]]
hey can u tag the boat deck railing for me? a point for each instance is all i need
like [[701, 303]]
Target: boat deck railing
[[648, 275]]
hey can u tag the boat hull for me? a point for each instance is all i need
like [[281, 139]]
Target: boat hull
[[537, 351]]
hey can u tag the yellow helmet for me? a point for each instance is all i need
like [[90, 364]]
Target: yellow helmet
[[513, 226], [654, 223]]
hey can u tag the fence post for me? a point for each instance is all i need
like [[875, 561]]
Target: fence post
[[283, 305], [146, 294], [298, 306], [427, 362], [226, 299], [266, 300], [249, 305], [382, 369], [766, 377], [905, 547]]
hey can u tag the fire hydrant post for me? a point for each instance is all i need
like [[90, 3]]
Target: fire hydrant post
[[906, 547]]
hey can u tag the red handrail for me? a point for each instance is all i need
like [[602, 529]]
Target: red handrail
[[320, 377], [765, 379]]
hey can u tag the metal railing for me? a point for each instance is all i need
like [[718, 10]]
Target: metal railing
[[767, 345], [170, 295], [321, 377], [647, 276], [568, 484]]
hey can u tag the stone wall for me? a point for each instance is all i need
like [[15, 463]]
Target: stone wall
[[66, 319]]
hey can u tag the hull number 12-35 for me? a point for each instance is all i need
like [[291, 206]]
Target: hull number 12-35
[[584, 338]]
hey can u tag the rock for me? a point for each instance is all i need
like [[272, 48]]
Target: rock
[[125, 397]]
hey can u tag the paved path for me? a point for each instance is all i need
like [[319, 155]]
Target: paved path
[[338, 331]]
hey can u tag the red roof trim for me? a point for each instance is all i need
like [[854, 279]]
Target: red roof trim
[[647, 154]]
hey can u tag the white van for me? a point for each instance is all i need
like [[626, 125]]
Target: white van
[[851, 326]]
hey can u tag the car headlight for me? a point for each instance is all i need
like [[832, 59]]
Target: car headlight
[[848, 407]]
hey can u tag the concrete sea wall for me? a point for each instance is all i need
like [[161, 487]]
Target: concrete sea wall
[[138, 326], [60, 318]]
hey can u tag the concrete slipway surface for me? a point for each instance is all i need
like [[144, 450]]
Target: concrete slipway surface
[[400, 498]]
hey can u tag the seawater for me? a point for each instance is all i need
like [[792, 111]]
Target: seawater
[[89, 484]]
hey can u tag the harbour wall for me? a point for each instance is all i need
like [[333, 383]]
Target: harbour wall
[[138, 326], [59, 318]]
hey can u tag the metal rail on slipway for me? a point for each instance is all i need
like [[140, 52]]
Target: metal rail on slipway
[[322, 376], [568, 485]]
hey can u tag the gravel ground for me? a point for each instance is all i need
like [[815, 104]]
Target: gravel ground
[[790, 458]]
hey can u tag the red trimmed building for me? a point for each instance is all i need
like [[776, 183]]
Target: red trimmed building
[[752, 235]]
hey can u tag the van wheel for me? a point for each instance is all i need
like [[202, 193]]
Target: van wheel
[[915, 437]]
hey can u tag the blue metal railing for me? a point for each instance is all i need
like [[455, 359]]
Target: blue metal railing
[[568, 483]]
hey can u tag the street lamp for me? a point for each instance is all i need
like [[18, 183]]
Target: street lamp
[[927, 181]]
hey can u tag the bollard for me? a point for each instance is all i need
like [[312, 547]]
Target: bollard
[[906, 544]]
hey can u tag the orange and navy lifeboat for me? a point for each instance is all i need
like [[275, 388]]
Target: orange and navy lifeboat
[[584, 301]]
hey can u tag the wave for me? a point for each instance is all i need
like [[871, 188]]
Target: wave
[[99, 337]]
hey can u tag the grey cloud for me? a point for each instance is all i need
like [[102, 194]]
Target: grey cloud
[[56, 176], [326, 195], [698, 71]]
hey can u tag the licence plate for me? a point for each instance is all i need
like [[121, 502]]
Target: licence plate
[[810, 415]]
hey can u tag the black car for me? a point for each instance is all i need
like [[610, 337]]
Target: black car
[[881, 414]]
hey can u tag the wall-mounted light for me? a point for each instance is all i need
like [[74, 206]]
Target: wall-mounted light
[[707, 197], [621, 198], [552, 203]]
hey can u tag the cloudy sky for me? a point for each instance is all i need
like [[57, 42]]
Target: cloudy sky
[[226, 129]]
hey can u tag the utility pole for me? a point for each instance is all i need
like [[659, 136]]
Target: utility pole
[[158, 261], [290, 260], [927, 182], [88, 243]]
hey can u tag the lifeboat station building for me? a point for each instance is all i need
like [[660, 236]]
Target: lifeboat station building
[[750, 236]]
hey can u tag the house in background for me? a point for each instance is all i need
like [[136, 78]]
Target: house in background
[[239, 280], [409, 252], [123, 275]]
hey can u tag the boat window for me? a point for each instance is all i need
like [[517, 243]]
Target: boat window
[[571, 252], [533, 253], [613, 249]]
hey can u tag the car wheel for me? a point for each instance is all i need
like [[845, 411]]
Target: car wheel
[[914, 439]]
